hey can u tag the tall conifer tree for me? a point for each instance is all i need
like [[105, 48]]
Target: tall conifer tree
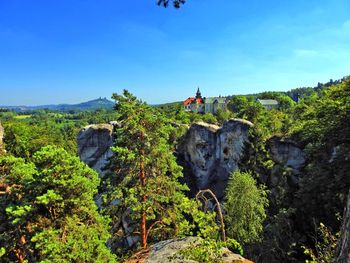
[[146, 173]]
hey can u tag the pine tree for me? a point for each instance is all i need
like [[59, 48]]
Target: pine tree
[[47, 211], [146, 174]]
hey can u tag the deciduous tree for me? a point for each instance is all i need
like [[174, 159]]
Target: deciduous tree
[[245, 205]]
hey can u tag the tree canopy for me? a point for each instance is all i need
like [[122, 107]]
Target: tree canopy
[[47, 211], [245, 205], [176, 3]]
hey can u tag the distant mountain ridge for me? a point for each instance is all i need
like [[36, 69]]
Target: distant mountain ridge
[[100, 103]]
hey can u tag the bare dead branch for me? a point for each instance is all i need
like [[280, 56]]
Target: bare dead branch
[[200, 196]]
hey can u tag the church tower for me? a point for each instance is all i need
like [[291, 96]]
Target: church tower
[[198, 94]]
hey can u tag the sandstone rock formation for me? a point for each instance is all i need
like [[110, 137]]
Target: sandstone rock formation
[[94, 145], [343, 246], [286, 153], [212, 153], [166, 251], [289, 159]]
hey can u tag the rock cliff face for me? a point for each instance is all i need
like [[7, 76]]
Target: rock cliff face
[[286, 153], [289, 159], [343, 246], [211, 153], [94, 142]]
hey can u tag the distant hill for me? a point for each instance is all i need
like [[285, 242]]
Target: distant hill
[[100, 103]]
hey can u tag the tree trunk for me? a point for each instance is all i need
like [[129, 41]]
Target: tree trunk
[[143, 230], [20, 254]]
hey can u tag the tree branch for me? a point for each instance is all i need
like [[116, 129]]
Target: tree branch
[[152, 225], [201, 195]]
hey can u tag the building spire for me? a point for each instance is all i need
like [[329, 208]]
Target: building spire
[[198, 94]]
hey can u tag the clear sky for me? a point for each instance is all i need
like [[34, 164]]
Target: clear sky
[[69, 51]]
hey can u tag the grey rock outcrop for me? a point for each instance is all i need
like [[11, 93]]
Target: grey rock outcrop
[[164, 250], [289, 159], [212, 153], [94, 145], [167, 251], [286, 153], [343, 246]]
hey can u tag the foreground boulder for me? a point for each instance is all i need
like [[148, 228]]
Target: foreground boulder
[[168, 251], [211, 153], [94, 145]]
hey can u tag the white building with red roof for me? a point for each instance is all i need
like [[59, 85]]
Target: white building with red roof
[[204, 105], [194, 104]]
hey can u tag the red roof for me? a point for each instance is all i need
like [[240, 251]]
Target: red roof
[[192, 100]]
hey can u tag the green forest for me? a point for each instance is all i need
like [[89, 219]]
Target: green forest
[[269, 212]]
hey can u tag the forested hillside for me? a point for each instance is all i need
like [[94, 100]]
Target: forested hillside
[[283, 203], [100, 103]]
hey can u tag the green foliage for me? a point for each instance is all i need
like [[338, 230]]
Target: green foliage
[[175, 113], [202, 224], [285, 102], [245, 205], [281, 237], [27, 133], [324, 130], [77, 241], [209, 118], [319, 123], [223, 115], [325, 245], [2, 251], [49, 214], [23, 140]]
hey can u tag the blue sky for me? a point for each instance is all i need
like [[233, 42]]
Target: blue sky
[[69, 51]]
